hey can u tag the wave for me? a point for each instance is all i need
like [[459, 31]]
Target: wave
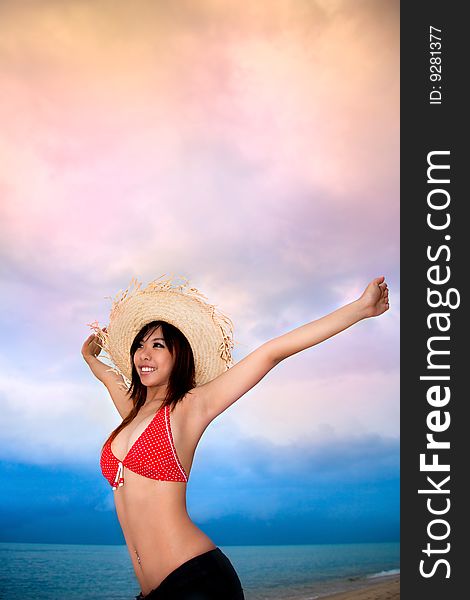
[[385, 573]]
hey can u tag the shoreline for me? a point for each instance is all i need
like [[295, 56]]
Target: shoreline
[[388, 588]]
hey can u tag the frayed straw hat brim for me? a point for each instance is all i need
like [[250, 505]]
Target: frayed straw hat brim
[[208, 331]]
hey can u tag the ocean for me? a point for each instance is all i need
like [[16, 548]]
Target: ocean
[[300, 572]]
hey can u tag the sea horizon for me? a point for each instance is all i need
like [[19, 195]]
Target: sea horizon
[[282, 571], [226, 545]]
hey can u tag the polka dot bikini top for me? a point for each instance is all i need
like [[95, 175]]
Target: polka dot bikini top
[[152, 455]]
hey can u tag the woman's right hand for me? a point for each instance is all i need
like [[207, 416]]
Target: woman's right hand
[[91, 347]]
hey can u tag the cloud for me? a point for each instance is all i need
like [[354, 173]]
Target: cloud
[[238, 142], [52, 422], [332, 491], [65, 421], [239, 146]]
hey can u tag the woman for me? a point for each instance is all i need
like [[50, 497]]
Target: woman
[[171, 351]]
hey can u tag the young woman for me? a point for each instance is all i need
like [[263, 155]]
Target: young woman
[[170, 379]]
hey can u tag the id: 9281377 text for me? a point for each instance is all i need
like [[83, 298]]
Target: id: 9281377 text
[[435, 65]]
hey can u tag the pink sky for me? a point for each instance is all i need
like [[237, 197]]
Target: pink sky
[[252, 148]]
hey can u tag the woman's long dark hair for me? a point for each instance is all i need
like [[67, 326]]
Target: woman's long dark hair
[[182, 377]]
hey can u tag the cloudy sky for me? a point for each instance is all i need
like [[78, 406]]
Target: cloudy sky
[[252, 148]]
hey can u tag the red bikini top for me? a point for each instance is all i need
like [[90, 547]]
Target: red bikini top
[[152, 455]]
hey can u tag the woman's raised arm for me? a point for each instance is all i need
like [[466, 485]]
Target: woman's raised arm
[[212, 398], [112, 381]]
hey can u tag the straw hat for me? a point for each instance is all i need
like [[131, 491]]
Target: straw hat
[[208, 331]]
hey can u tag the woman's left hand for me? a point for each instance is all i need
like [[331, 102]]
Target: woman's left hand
[[375, 300]]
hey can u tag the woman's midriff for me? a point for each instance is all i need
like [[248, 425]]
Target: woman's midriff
[[159, 534]]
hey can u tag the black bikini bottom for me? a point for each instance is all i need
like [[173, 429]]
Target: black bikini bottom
[[208, 576]]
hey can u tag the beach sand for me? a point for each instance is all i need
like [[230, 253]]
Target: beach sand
[[384, 590]]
